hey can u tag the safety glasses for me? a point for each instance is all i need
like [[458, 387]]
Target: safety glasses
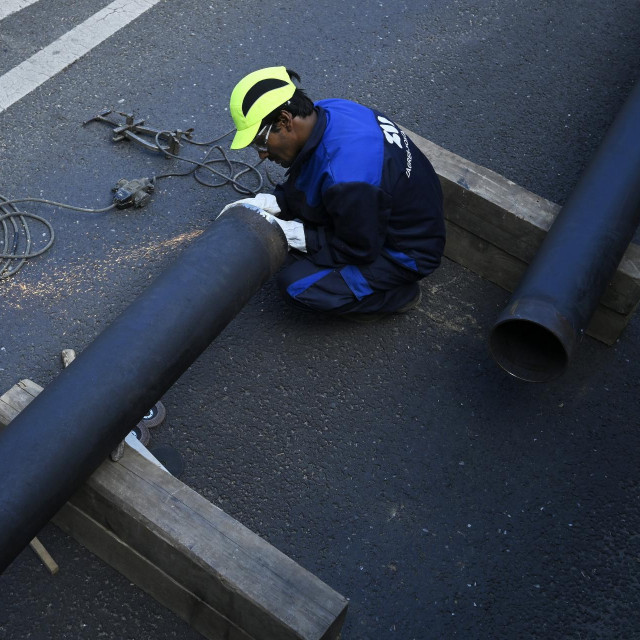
[[258, 143]]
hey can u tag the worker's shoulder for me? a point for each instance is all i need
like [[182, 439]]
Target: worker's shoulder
[[348, 119], [352, 144]]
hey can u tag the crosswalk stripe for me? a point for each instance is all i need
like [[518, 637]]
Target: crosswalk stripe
[[12, 6], [40, 67]]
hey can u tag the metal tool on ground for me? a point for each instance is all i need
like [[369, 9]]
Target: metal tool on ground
[[132, 193], [18, 243], [134, 129], [153, 418], [168, 142]]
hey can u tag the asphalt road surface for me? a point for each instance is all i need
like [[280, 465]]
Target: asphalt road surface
[[395, 461]]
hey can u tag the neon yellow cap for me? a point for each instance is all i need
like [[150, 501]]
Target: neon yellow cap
[[255, 97]]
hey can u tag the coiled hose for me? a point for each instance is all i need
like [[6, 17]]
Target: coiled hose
[[17, 242]]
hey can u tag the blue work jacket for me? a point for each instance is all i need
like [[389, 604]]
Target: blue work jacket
[[362, 188]]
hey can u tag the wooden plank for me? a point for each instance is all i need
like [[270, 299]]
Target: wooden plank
[[512, 219], [186, 552], [211, 554], [30, 387], [606, 325], [482, 257], [139, 570], [16, 399]]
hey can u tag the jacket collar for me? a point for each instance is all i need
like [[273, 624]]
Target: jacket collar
[[313, 141]]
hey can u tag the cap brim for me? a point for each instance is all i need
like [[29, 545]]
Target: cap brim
[[245, 137]]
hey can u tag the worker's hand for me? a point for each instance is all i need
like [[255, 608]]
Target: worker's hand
[[265, 201], [293, 230]]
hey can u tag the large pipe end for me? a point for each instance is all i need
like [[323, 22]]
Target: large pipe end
[[532, 341]]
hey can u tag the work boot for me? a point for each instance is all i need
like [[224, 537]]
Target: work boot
[[412, 304], [379, 315]]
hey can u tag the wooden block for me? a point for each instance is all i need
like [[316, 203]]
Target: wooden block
[[16, 399], [30, 387], [136, 568], [190, 555], [44, 555], [482, 257], [510, 224], [606, 324], [237, 574]]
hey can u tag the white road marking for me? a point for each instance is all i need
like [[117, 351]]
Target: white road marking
[[12, 6], [45, 64]]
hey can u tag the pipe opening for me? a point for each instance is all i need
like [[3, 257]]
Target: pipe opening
[[528, 350]]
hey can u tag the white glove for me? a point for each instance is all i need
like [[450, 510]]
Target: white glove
[[293, 230], [265, 201]]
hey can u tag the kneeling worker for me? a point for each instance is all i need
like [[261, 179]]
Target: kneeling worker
[[361, 205]]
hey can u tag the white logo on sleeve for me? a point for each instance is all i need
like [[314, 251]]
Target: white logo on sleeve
[[392, 135], [390, 131]]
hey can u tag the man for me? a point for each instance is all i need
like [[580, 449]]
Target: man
[[361, 205]]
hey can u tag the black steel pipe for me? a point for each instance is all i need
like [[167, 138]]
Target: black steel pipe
[[534, 337], [55, 444]]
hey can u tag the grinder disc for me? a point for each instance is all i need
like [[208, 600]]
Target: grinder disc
[[142, 433], [155, 416]]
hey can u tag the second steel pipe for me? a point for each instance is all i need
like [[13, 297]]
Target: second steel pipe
[[535, 336]]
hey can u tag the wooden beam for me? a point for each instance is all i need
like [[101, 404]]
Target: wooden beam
[[192, 557], [495, 228]]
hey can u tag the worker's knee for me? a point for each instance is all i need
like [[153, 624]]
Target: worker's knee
[[309, 287]]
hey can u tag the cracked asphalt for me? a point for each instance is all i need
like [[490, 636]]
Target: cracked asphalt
[[394, 461]]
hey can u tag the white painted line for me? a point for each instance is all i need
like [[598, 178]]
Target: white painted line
[[45, 64], [11, 6]]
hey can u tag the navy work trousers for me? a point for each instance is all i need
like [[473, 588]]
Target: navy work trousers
[[382, 286]]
